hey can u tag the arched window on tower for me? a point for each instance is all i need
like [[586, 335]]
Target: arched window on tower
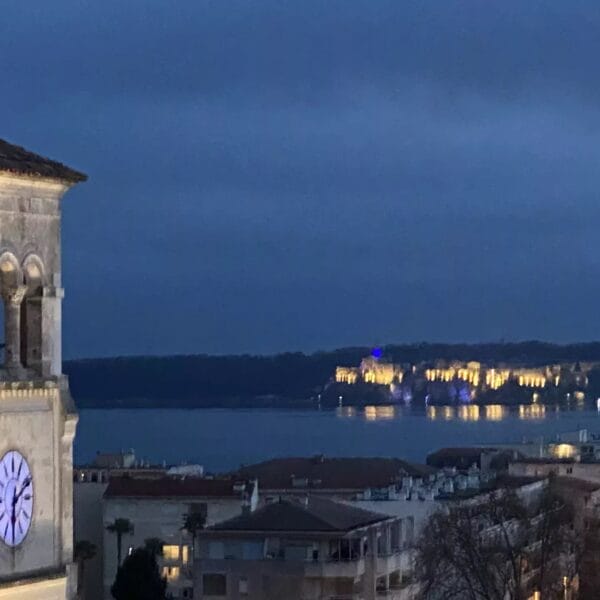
[[31, 313], [10, 295]]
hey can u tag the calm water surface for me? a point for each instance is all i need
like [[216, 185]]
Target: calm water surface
[[223, 439]]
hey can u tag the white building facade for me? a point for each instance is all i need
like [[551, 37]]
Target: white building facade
[[156, 509]]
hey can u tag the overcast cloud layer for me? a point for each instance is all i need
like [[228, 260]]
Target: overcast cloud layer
[[270, 176]]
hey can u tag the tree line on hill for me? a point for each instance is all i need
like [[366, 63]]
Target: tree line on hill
[[288, 379]]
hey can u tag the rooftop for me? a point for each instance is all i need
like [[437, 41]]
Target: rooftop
[[453, 451], [581, 485], [321, 472], [175, 487], [312, 514], [546, 460], [502, 482], [15, 159]]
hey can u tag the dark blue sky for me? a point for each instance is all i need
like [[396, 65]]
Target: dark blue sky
[[267, 176]]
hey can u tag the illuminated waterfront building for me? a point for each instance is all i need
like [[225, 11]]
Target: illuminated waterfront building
[[381, 373], [346, 375], [371, 370], [496, 378], [535, 378], [470, 372], [467, 379]]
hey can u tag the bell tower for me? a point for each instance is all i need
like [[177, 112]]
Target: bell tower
[[37, 414]]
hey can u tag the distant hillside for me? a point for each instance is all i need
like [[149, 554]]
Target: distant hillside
[[283, 379]]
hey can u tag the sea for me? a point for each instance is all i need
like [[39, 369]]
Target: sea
[[224, 439]]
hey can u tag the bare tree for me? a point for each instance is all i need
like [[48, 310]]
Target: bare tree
[[498, 547]]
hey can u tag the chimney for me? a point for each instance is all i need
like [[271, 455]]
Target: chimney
[[246, 504]]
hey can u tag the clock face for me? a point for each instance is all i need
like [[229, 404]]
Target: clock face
[[16, 498]]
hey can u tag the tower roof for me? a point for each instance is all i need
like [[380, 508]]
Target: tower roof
[[15, 159]]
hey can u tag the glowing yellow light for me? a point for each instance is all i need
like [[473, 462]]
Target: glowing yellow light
[[495, 412], [170, 552], [386, 412], [170, 573], [469, 413], [345, 411], [532, 411], [346, 375], [370, 413], [564, 451], [373, 413]]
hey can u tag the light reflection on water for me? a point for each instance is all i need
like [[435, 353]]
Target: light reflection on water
[[222, 439], [465, 412]]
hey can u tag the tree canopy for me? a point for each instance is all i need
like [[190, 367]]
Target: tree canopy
[[138, 578], [500, 547]]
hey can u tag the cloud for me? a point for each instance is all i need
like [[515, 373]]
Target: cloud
[[310, 174]]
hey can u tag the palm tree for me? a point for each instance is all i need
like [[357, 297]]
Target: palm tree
[[120, 527], [193, 522], [83, 551]]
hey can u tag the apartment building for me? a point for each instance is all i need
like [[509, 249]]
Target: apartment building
[[156, 508], [309, 548]]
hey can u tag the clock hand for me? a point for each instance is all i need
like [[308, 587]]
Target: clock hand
[[14, 514], [25, 485]]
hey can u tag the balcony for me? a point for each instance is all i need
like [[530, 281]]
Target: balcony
[[406, 593], [392, 562], [14, 389], [335, 568]]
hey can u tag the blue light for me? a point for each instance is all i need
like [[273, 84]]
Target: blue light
[[377, 353]]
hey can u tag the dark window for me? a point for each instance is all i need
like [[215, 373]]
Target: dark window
[[188, 593], [214, 584], [199, 508]]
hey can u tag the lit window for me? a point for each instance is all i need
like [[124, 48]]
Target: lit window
[[170, 573], [171, 552], [185, 554]]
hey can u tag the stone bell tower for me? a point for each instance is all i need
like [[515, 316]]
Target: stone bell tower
[[37, 414]]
